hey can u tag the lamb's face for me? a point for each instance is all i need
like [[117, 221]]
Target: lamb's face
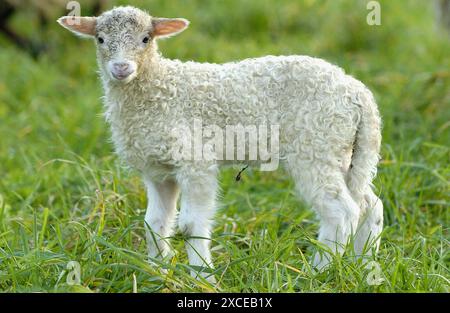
[[124, 37]]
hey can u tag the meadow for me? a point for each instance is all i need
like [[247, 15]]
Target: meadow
[[64, 196]]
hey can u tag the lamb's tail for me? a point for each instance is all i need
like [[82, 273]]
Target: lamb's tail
[[366, 149]]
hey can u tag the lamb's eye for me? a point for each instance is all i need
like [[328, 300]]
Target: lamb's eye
[[145, 40], [100, 40]]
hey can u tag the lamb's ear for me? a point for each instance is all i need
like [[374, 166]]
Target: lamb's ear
[[167, 27], [81, 26]]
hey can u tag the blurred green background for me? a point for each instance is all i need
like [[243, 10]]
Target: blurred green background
[[64, 196]]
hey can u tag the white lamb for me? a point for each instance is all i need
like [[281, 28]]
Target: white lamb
[[329, 131]]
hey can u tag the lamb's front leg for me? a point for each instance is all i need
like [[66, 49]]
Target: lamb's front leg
[[160, 215], [198, 201]]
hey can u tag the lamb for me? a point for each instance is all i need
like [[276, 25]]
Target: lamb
[[328, 141]]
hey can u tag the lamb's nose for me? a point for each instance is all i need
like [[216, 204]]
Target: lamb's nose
[[122, 70], [121, 66]]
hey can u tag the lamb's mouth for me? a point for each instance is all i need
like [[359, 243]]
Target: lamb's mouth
[[120, 76]]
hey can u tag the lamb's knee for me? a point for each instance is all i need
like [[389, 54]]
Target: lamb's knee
[[194, 223], [186, 224], [155, 224]]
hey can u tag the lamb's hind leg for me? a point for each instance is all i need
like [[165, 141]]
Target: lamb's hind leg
[[370, 226], [326, 191], [338, 214]]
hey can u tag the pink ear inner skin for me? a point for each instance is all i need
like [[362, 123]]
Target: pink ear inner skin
[[168, 27]]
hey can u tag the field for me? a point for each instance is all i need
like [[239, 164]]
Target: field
[[65, 197]]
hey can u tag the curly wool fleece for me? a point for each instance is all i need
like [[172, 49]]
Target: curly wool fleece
[[329, 131]]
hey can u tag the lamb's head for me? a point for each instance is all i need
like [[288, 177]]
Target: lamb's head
[[125, 38]]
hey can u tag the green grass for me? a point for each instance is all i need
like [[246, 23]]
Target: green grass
[[65, 197]]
